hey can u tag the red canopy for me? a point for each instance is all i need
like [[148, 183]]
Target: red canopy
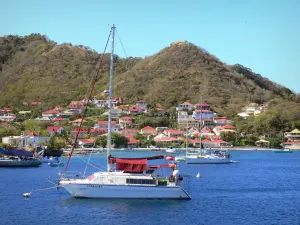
[[131, 165]]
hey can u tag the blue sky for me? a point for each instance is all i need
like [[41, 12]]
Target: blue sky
[[263, 35]]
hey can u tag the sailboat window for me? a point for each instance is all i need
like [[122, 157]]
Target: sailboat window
[[140, 181]]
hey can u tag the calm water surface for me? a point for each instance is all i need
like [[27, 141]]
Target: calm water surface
[[264, 188]]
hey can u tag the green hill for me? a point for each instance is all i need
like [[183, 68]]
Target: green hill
[[33, 68]]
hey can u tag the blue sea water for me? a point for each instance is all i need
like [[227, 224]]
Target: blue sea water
[[264, 188]]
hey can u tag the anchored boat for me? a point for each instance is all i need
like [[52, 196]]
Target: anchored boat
[[18, 158], [131, 177]]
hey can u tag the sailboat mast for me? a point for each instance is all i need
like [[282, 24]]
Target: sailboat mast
[[200, 127], [110, 96], [187, 133]]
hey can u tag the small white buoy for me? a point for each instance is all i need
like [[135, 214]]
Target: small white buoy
[[198, 175], [27, 195]]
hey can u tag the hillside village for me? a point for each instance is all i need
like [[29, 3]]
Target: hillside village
[[65, 122]]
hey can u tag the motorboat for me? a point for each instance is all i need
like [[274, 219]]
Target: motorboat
[[286, 150], [216, 157]]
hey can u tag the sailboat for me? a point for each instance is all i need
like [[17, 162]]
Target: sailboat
[[131, 177], [205, 156]]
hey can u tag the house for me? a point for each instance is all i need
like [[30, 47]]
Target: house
[[87, 142], [54, 129], [173, 133], [123, 107], [100, 103], [221, 121], [116, 113], [228, 127], [148, 131], [50, 112], [44, 119], [202, 107], [185, 120], [23, 141], [126, 120], [209, 143], [133, 110], [206, 133], [252, 109], [294, 135], [76, 107], [203, 114], [58, 119], [5, 110], [208, 122], [127, 131], [97, 131], [104, 126], [157, 112], [77, 122], [167, 139], [217, 130], [25, 103], [185, 106], [24, 112], [131, 140], [141, 104], [160, 129], [116, 101], [136, 110], [82, 132], [8, 117], [36, 103]]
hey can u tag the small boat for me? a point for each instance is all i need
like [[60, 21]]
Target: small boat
[[49, 159], [180, 158], [217, 157], [172, 150], [18, 158], [56, 164], [286, 150], [13, 161]]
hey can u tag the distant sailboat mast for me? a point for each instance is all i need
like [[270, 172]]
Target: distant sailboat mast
[[187, 133], [200, 127], [110, 97]]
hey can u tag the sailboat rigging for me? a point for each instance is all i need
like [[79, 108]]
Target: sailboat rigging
[[132, 178]]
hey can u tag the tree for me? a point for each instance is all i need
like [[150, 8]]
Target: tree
[[119, 140], [101, 141], [4, 132], [56, 142], [37, 127]]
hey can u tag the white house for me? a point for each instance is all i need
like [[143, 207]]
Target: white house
[[185, 106], [141, 104], [25, 140]]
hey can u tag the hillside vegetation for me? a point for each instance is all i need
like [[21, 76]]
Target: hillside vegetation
[[34, 68]]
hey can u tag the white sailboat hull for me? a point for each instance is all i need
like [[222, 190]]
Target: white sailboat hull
[[125, 191], [195, 160]]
